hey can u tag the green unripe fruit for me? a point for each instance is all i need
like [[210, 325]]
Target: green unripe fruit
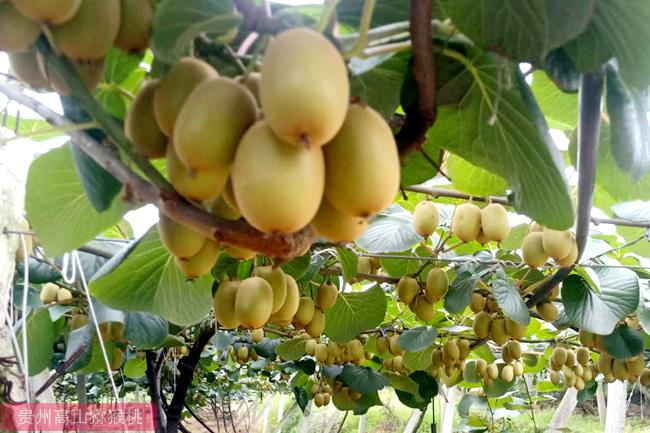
[[306, 310], [25, 67], [135, 25], [141, 126], [242, 353], [583, 355], [304, 89], [254, 302], [533, 251], [547, 311], [481, 324], [48, 11], [326, 296], [180, 240], [196, 186], [498, 331], [426, 218], [63, 296], [437, 285], [224, 304], [337, 226], [464, 347], [317, 324], [49, 293], [477, 304], [515, 330], [507, 374], [285, 314], [382, 344], [557, 243], [494, 222], [466, 222], [423, 309], [393, 345], [202, 262], [364, 265], [407, 289], [275, 277], [18, 33]]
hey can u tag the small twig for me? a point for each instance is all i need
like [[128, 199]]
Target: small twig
[[364, 26], [343, 422]]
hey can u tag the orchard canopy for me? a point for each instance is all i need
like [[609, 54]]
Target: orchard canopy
[[355, 199]]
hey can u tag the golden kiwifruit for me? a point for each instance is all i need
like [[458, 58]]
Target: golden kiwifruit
[[48, 11], [275, 277], [316, 325], [635, 365], [304, 88], [305, 312], [559, 356], [533, 251], [337, 226], [514, 348], [202, 262], [212, 121], [364, 265], [355, 347], [238, 253], [515, 330], [63, 296], [224, 304], [481, 324], [254, 302], [426, 218], [571, 257], [498, 332], [571, 358], [382, 344], [24, 66], [507, 373], [135, 25], [554, 377], [437, 285], [362, 164], [578, 370], [547, 311], [450, 352], [466, 222], [29, 241], [393, 345], [407, 289], [436, 357], [278, 186], [477, 304], [423, 309], [588, 374], [326, 296], [481, 367], [505, 355], [118, 359], [49, 292], [169, 98], [645, 377], [77, 321], [557, 243], [91, 73], [222, 209], [492, 306], [492, 371], [285, 314], [18, 32], [319, 399], [326, 399], [583, 355], [605, 364], [194, 185], [580, 384], [320, 352], [482, 238], [180, 240], [252, 83], [90, 33], [518, 368], [398, 362], [310, 347], [141, 126], [494, 222], [242, 353], [619, 369], [464, 346]]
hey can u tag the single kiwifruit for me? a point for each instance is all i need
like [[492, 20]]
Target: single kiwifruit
[[559, 356], [494, 222], [224, 304], [364, 265], [450, 352], [393, 345], [252, 83], [492, 371], [141, 126], [275, 277], [619, 369], [547, 311], [605, 364], [407, 289], [180, 240], [310, 347], [29, 242], [194, 185], [466, 222], [382, 344], [557, 243], [18, 33], [498, 332], [306, 310], [571, 257], [583, 355], [464, 347], [477, 303], [507, 373], [63, 296], [514, 348], [316, 325], [515, 330], [437, 285], [481, 324], [48, 11], [238, 253], [518, 368], [202, 262], [355, 347], [49, 292], [337, 226], [135, 25], [285, 314], [118, 359], [77, 321], [554, 377], [254, 302], [533, 251], [423, 309], [326, 296], [481, 367], [25, 67], [320, 352], [635, 365], [426, 218]]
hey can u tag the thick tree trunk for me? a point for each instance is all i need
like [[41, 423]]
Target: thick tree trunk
[[564, 411], [616, 394]]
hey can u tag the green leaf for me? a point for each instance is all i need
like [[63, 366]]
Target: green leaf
[[588, 391], [348, 260], [145, 330], [297, 267], [624, 342], [40, 340], [521, 30], [145, 278], [397, 268], [359, 407], [100, 186], [427, 385], [413, 401], [362, 379], [120, 64], [473, 180], [39, 272], [562, 72], [355, 312], [176, 24], [416, 339], [643, 313], [599, 313], [506, 293], [418, 360], [97, 361], [515, 238], [390, 231], [291, 350], [417, 168], [471, 402], [404, 384], [58, 208], [80, 338], [135, 368], [479, 129], [559, 108], [378, 81], [460, 291], [222, 340], [630, 129]]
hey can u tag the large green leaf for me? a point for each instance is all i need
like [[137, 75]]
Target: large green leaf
[[506, 293], [291, 350], [473, 180], [559, 108], [58, 208], [416, 339], [420, 360], [643, 313], [145, 330], [349, 261], [378, 81], [148, 280], [40, 340], [623, 343], [460, 290], [354, 313], [390, 231], [363, 379], [522, 30], [600, 312], [495, 128], [135, 368]]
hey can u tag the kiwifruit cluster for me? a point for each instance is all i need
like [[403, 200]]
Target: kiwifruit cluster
[[51, 292], [82, 30], [322, 394], [332, 353], [368, 265], [113, 331], [421, 300], [573, 368], [450, 358], [242, 353], [471, 223], [346, 393], [542, 243], [497, 327], [394, 354]]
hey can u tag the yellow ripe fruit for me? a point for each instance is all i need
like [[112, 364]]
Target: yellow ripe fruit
[[557, 243], [212, 121], [423, 309], [304, 88], [481, 324], [317, 324], [198, 185], [518, 368], [319, 399], [515, 330], [202, 262], [437, 285], [407, 289], [559, 356], [242, 353], [169, 98], [364, 265], [25, 67], [619, 369], [505, 354], [393, 345], [285, 314], [570, 358], [580, 384], [514, 348], [238, 253], [91, 73], [555, 377], [356, 349], [64, 296], [533, 251], [507, 374], [310, 347], [254, 302], [492, 371], [78, 321], [492, 306], [278, 187], [583, 356], [118, 359], [252, 83], [494, 222], [326, 399], [635, 365], [220, 208], [224, 304], [547, 311], [49, 293], [326, 296], [382, 344], [180, 240], [398, 362], [645, 377], [363, 168], [450, 352], [481, 367], [498, 331], [135, 25], [477, 304], [48, 11], [90, 33], [571, 257], [320, 352], [464, 347], [426, 218], [275, 277], [337, 226], [141, 126], [306, 311], [482, 238], [466, 222], [18, 32], [605, 364], [587, 338]]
